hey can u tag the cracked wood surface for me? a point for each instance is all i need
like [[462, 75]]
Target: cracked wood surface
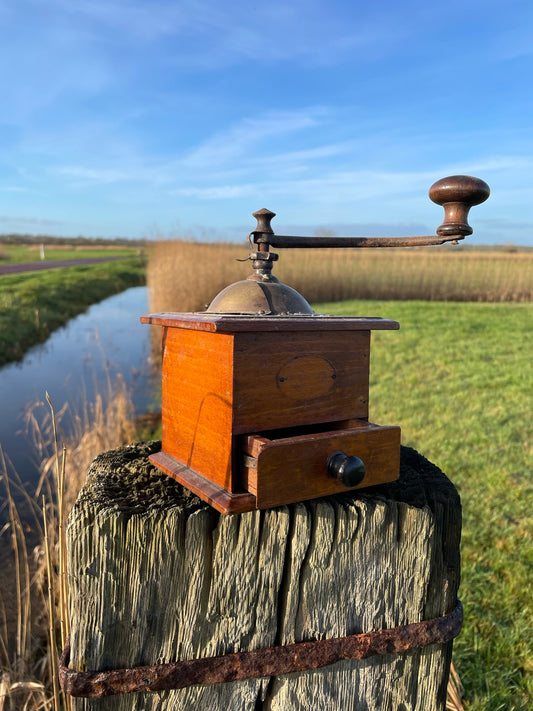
[[156, 575]]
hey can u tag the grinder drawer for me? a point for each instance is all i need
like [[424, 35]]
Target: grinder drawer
[[280, 469]]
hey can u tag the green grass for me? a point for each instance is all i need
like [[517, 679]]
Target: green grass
[[458, 378], [33, 304], [10, 253]]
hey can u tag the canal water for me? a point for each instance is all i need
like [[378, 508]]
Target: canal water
[[74, 364]]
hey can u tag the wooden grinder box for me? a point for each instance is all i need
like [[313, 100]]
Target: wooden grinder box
[[253, 407]]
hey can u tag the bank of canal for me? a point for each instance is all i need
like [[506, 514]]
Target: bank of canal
[[34, 304], [72, 365]]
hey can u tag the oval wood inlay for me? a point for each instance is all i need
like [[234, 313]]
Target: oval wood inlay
[[306, 377]]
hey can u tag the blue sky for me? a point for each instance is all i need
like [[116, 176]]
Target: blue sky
[[180, 118]]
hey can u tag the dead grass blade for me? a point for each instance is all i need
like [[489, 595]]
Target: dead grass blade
[[51, 613], [455, 691], [22, 573]]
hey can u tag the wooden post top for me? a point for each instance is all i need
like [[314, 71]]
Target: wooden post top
[[233, 323]]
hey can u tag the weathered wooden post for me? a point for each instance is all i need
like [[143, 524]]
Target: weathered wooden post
[[157, 575], [347, 601]]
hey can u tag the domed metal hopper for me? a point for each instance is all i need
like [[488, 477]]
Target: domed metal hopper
[[260, 298], [261, 294]]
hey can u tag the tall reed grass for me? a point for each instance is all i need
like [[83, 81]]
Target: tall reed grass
[[185, 276], [35, 624], [98, 425]]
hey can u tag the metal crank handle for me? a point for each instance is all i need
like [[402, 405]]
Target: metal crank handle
[[457, 194]]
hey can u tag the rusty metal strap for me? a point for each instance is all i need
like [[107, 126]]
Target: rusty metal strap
[[271, 661]]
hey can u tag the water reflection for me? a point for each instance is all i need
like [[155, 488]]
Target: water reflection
[[73, 364]]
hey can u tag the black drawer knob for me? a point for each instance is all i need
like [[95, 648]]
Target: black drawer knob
[[349, 470]]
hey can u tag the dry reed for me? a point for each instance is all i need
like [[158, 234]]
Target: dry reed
[[20, 685], [28, 673], [51, 612], [455, 691], [185, 276], [106, 422]]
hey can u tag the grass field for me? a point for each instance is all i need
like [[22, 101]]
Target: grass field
[[10, 253], [33, 304], [458, 378]]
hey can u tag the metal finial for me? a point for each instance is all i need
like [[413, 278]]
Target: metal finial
[[263, 218]]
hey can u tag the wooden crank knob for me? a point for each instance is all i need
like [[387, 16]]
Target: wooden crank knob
[[349, 470], [457, 194]]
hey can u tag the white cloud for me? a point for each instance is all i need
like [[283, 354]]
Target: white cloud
[[28, 221], [506, 225], [494, 164], [219, 192], [148, 20], [248, 135], [214, 34], [99, 175]]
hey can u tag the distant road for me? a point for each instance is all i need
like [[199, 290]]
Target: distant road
[[37, 266]]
